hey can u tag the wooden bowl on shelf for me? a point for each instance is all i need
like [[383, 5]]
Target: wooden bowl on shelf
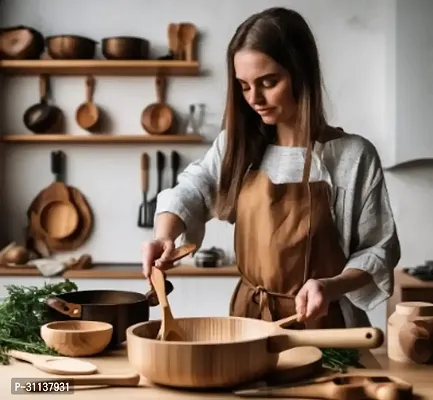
[[77, 338], [71, 47]]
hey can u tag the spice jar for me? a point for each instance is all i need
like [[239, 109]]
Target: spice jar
[[410, 333]]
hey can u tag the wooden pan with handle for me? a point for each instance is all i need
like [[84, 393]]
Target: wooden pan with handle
[[228, 351], [58, 216], [157, 118]]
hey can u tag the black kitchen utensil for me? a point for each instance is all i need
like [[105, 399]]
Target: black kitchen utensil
[[175, 164], [143, 210], [160, 165]]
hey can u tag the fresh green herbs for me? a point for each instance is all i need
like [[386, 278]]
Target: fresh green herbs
[[341, 359], [21, 315]]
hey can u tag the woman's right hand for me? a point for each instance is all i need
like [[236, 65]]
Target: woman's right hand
[[155, 254]]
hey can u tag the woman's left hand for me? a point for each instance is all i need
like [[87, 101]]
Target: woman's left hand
[[312, 301]]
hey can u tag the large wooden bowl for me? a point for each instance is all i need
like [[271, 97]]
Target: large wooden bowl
[[227, 351]]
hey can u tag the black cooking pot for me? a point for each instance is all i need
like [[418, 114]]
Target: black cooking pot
[[119, 308]]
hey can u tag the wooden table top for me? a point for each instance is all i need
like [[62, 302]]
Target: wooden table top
[[376, 362]]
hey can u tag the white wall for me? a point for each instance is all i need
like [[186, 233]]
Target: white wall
[[356, 45]]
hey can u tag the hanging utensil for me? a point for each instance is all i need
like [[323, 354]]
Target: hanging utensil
[[58, 216], [42, 117], [160, 165], [175, 164], [143, 212], [157, 118], [87, 114]]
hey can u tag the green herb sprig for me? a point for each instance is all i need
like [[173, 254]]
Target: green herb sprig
[[341, 359], [21, 315]]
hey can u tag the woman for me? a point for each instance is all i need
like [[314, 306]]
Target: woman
[[314, 230]]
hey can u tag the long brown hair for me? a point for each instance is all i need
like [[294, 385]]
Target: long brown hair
[[285, 36]]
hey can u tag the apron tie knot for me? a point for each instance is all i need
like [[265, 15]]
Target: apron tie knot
[[264, 302]]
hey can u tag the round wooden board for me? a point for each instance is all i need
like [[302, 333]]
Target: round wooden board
[[296, 364]]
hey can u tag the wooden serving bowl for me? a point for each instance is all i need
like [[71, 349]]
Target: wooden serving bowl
[[228, 351], [77, 338]]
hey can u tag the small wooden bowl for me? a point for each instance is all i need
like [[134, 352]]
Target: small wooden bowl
[[77, 338]]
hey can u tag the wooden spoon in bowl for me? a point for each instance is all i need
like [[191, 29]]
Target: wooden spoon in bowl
[[169, 330]]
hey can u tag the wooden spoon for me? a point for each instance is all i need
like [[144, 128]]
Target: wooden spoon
[[87, 114], [169, 330], [54, 364]]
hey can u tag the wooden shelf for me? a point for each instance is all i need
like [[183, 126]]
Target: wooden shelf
[[100, 67], [102, 138], [126, 271]]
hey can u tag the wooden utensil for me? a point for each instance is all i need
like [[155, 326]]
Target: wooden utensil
[[187, 33], [143, 210], [157, 118], [77, 338], [173, 40], [54, 364], [58, 217], [97, 379], [340, 387], [228, 351], [87, 114], [169, 330]]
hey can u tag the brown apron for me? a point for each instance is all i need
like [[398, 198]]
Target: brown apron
[[284, 235]]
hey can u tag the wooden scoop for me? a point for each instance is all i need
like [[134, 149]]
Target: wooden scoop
[[54, 364], [169, 330], [87, 114], [157, 118]]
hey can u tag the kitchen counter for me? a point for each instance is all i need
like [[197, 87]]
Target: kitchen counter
[[116, 363]]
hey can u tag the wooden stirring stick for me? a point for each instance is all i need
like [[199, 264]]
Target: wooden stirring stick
[[169, 330]]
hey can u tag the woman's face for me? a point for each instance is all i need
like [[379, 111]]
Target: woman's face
[[266, 86]]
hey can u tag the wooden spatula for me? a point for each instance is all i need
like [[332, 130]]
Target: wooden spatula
[[54, 364], [97, 380], [169, 330]]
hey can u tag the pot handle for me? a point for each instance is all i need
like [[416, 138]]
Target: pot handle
[[346, 338], [70, 309]]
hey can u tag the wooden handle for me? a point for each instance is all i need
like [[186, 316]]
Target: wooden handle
[[322, 390], [381, 390], [90, 88], [365, 338], [158, 283], [69, 309], [161, 85], [97, 379], [22, 355], [144, 172], [43, 87]]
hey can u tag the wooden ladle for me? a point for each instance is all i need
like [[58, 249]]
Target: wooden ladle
[[170, 330], [157, 118], [87, 114]]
